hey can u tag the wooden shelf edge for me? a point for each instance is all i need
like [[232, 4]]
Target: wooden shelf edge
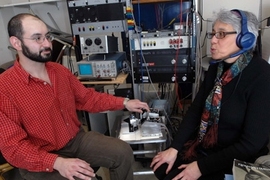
[[120, 79]]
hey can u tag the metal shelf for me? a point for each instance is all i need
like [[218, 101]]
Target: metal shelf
[[29, 3], [153, 1]]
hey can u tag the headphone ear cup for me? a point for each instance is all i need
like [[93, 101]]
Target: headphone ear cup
[[238, 40], [245, 41]]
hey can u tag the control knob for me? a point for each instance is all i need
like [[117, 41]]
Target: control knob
[[184, 61], [88, 42], [184, 78], [97, 41], [173, 78]]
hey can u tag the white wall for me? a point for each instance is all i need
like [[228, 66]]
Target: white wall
[[6, 55], [60, 13], [265, 32], [210, 6], [265, 10], [58, 10], [207, 8]]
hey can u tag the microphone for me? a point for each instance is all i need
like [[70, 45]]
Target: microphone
[[230, 56], [218, 61]]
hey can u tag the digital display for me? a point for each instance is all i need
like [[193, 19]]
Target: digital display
[[85, 69]]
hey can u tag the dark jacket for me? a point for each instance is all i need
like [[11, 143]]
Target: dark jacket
[[244, 125]]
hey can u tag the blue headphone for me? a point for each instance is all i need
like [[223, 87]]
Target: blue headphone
[[245, 39]]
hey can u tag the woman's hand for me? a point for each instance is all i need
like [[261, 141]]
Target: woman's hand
[[168, 156], [190, 172]]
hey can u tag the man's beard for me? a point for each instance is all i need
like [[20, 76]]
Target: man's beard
[[37, 57]]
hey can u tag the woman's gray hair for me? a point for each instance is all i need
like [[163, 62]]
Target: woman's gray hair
[[234, 18]]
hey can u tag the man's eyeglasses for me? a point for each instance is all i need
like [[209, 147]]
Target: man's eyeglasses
[[40, 38], [219, 35]]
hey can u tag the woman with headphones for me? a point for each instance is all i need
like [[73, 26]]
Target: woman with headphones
[[229, 117]]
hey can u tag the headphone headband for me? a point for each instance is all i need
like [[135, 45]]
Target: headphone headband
[[245, 40], [244, 27]]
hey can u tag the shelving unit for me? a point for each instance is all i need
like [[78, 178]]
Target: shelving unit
[[152, 52], [29, 3]]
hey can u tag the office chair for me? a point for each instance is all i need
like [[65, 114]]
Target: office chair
[[4, 167]]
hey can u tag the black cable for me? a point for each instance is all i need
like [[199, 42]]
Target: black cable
[[70, 61], [268, 21], [162, 91]]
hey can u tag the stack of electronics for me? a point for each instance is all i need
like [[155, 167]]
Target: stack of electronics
[[104, 61], [163, 53], [94, 24]]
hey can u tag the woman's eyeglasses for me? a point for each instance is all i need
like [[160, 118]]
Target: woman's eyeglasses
[[219, 35], [40, 38]]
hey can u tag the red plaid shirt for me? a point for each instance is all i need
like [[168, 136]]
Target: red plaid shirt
[[37, 118]]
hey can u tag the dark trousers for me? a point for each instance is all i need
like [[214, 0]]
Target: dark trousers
[[160, 173], [96, 149]]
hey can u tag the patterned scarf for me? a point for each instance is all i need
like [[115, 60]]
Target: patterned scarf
[[207, 135]]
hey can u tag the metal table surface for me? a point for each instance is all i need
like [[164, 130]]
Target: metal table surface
[[132, 138]]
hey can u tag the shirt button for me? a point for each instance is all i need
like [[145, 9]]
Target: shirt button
[[44, 83], [47, 169], [67, 124]]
